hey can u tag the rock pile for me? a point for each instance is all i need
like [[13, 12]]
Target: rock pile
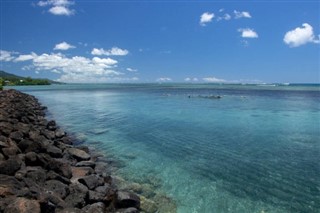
[[41, 171]]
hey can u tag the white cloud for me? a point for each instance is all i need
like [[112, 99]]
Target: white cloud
[[6, 55], [25, 57], [61, 11], [206, 18], [73, 69], [188, 79], [58, 7], [300, 35], [164, 79], [214, 80], [104, 61], [248, 33], [63, 46], [242, 14], [131, 70], [113, 51], [226, 17]]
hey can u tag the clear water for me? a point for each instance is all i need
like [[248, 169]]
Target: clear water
[[256, 149]]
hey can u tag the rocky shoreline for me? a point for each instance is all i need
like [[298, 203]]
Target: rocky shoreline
[[42, 171]]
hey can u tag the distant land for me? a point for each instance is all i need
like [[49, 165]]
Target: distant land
[[8, 79]]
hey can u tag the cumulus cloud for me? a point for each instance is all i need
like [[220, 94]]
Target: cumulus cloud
[[248, 33], [300, 36], [131, 70], [206, 18], [243, 14], [214, 80], [113, 51], [6, 55], [72, 69], [63, 46], [25, 57], [58, 7], [164, 79]]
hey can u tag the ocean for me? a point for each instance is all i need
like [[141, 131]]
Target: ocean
[[200, 147]]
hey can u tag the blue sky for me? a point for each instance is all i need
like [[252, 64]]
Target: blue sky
[[162, 41]]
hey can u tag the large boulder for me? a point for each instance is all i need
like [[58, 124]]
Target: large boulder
[[23, 205], [54, 151], [9, 185], [16, 136], [78, 195], [98, 207], [126, 199], [57, 187], [92, 181], [10, 166], [79, 154]]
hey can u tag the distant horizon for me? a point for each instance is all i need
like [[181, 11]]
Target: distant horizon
[[120, 42]]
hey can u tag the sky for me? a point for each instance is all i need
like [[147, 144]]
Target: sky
[[82, 41]]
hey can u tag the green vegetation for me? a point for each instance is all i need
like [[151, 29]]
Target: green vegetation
[[1, 83], [8, 79]]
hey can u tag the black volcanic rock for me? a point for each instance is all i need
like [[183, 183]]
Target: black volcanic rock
[[40, 170]]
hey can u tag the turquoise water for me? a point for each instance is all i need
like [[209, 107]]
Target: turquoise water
[[256, 149]]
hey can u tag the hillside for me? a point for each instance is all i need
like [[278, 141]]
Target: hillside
[[12, 80]]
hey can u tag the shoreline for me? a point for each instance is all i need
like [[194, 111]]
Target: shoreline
[[41, 170]]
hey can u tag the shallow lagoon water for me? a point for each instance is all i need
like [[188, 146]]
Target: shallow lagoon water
[[256, 149]]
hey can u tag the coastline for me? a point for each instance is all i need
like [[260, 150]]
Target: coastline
[[41, 170]]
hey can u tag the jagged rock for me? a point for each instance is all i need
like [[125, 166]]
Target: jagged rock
[[57, 187], [94, 197], [92, 181], [128, 210], [105, 189], [78, 195], [84, 148], [22, 127], [70, 210], [48, 134], [9, 185], [30, 146], [95, 208], [16, 136], [52, 200], [37, 174], [59, 133], [31, 159], [63, 168], [51, 125], [78, 172], [3, 138], [6, 128], [86, 164], [127, 199], [23, 205], [51, 175], [11, 150], [2, 158], [79, 154], [54, 151], [10, 166]]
